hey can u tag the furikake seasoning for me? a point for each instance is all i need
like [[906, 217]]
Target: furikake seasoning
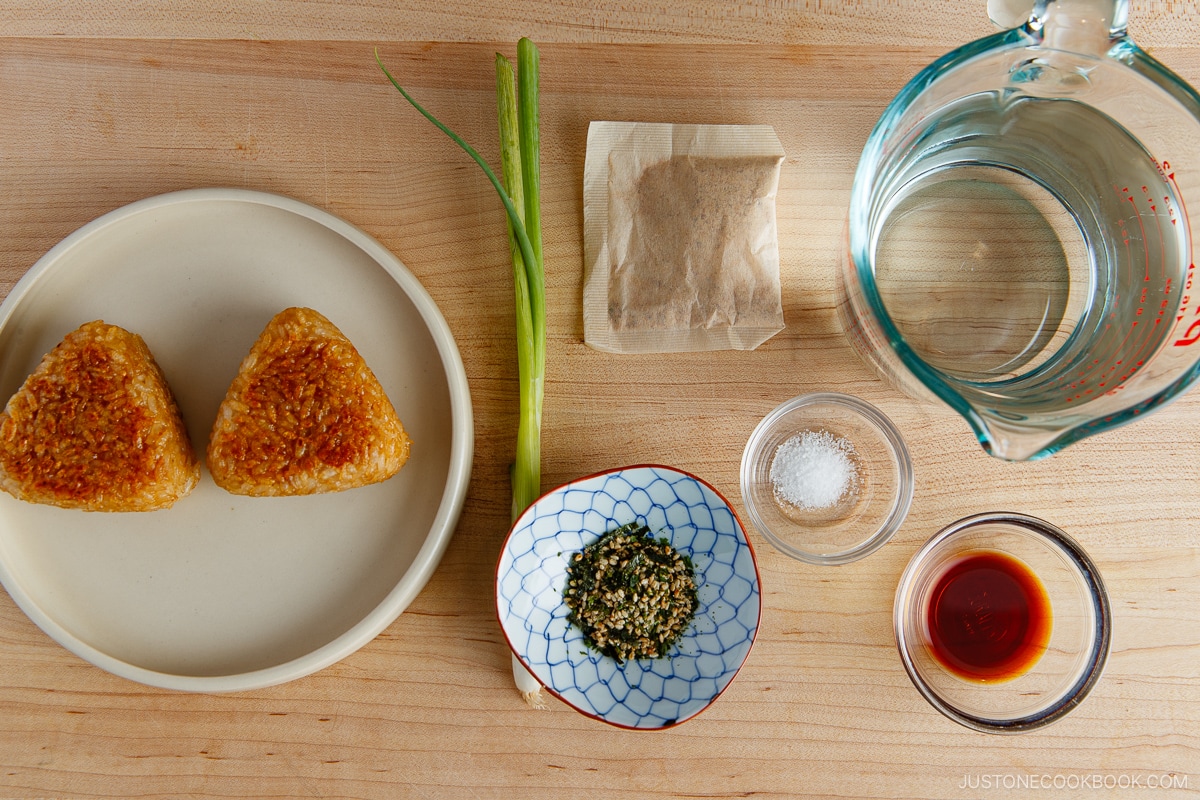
[[632, 595]]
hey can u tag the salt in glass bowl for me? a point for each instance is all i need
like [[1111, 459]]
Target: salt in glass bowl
[[637, 693], [865, 516], [1079, 636]]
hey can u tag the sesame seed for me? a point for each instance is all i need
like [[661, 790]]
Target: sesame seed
[[632, 596]]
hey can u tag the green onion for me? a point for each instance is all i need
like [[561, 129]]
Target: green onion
[[518, 116], [519, 145], [514, 217]]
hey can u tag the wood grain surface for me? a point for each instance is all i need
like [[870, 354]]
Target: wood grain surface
[[941, 23], [100, 109]]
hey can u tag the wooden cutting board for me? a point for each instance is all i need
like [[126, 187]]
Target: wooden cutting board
[[428, 709]]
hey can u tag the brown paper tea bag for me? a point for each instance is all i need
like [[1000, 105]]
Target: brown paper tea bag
[[680, 239]]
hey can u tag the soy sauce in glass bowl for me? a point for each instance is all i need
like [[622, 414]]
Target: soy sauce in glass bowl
[[1002, 622]]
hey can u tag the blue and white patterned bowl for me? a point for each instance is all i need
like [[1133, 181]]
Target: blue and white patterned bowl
[[645, 693]]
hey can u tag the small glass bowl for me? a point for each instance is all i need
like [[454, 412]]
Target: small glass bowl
[[1080, 625], [865, 516]]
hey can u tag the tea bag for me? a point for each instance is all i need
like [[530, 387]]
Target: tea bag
[[680, 239]]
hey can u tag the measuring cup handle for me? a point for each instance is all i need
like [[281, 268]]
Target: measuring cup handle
[[1081, 26], [1009, 13]]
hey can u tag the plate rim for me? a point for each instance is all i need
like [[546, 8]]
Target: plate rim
[[445, 521]]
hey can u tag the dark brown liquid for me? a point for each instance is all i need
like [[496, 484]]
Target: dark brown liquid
[[989, 617]]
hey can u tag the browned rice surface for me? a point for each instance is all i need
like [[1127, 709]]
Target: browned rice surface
[[305, 414], [96, 427]]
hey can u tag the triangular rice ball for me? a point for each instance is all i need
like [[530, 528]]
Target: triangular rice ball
[[96, 427], [305, 414]]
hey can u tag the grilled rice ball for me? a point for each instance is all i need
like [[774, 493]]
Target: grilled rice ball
[[305, 414], [95, 427]]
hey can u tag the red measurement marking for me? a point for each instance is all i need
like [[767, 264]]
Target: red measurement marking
[[1192, 335], [1166, 167]]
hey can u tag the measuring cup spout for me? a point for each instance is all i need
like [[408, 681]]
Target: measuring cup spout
[[1013, 440]]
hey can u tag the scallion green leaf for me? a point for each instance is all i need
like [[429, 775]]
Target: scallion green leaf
[[520, 136]]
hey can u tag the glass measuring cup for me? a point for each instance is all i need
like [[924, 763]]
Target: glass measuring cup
[[1018, 242]]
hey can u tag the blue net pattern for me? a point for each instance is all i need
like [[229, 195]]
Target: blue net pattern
[[649, 693]]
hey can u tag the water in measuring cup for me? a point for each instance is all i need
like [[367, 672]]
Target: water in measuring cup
[[1032, 251]]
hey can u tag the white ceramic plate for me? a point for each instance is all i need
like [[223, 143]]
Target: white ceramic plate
[[219, 592]]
